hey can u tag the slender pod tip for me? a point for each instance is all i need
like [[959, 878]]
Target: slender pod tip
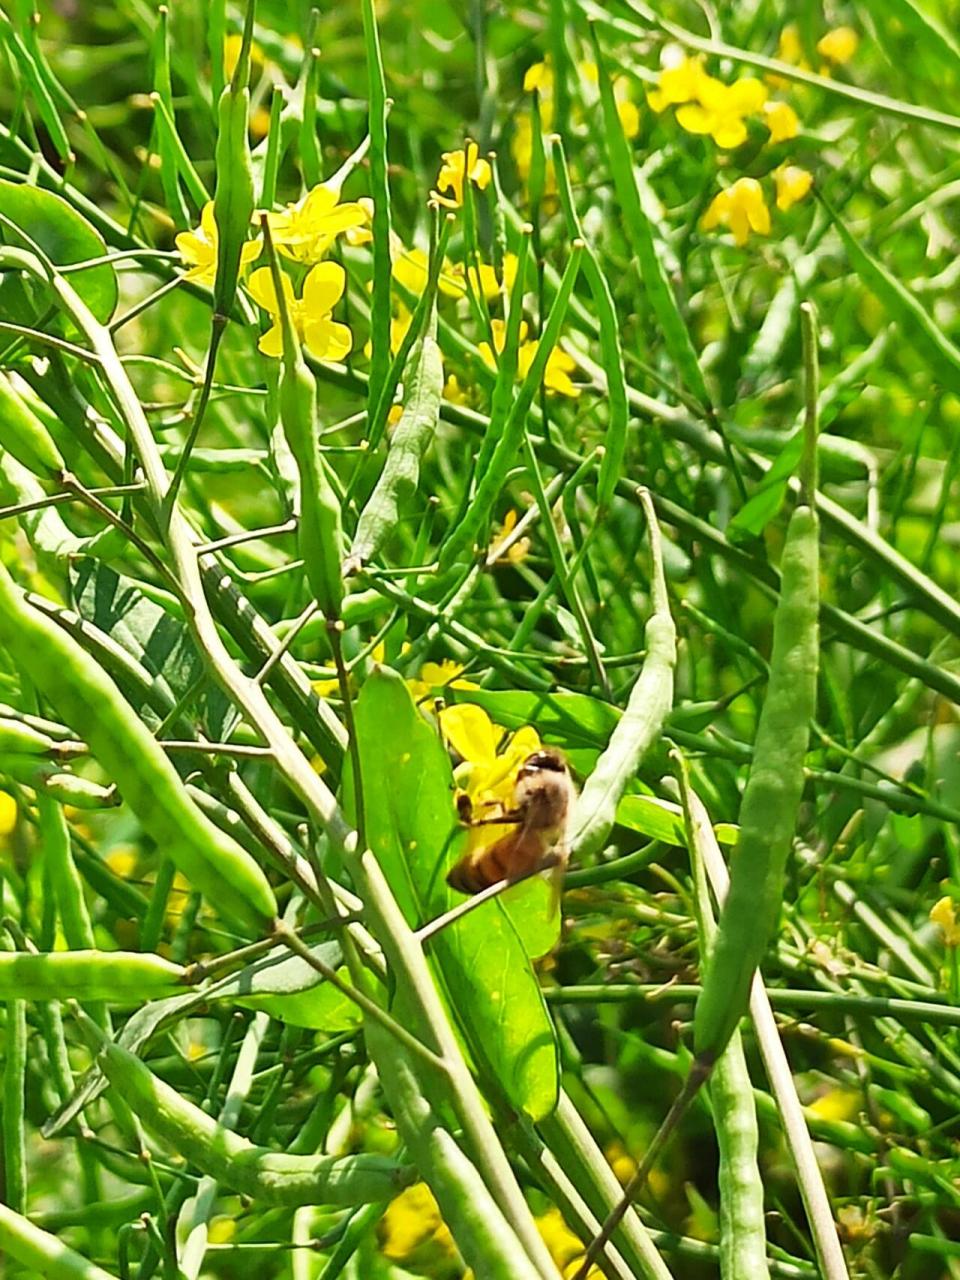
[[579, 244], [526, 228]]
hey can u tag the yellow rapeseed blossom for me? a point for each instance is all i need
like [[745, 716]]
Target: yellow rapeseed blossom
[[323, 337], [564, 1247], [483, 278], [944, 914], [741, 208], [231, 53], [307, 229], [539, 77], [720, 109], [411, 1221], [459, 167], [199, 249], [679, 80], [793, 183], [438, 675], [838, 45], [8, 814], [361, 234], [782, 121], [626, 108], [453, 392], [556, 375], [836, 1104], [518, 551], [790, 48]]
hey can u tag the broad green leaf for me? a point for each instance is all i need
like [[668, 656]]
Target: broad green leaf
[[412, 828], [65, 236], [160, 643], [663, 820], [571, 720]]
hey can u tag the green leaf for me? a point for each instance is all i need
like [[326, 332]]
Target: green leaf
[[571, 720], [65, 236], [412, 828], [767, 499], [160, 643], [917, 326]]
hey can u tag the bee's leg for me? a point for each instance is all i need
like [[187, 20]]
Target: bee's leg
[[510, 819]]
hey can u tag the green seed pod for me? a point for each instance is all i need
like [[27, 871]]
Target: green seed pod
[[24, 435], [768, 813], [87, 699], [122, 977], [320, 532], [269, 1177], [423, 388], [21, 739], [233, 201]]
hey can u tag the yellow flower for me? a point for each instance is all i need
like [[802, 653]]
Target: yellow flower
[[679, 80], [518, 551], [307, 229], [741, 208], [556, 375], [793, 183], [782, 121], [323, 337], [484, 279], [411, 1221], [539, 77], [839, 45], [231, 53], [411, 268], [453, 392], [199, 249], [438, 675], [8, 813], [458, 167], [720, 109], [626, 110], [944, 914], [488, 777], [789, 48], [836, 1104], [361, 234], [564, 1247]]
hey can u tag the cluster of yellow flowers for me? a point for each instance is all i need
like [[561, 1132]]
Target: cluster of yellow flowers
[[742, 207], [708, 106], [303, 232]]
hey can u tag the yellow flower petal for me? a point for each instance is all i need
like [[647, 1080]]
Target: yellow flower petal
[[782, 121], [323, 288], [793, 183], [8, 813], [839, 45], [470, 732], [271, 343], [944, 914], [327, 339]]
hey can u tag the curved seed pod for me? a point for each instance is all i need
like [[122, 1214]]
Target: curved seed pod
[[423, 388], [87, 699], [24, 435], [650, 700], [269, 1177], [122, 977], [768, 813]]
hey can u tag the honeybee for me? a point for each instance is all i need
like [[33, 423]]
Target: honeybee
[[543, 800]]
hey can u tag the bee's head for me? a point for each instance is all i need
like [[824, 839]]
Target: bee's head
[[546, 760]]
